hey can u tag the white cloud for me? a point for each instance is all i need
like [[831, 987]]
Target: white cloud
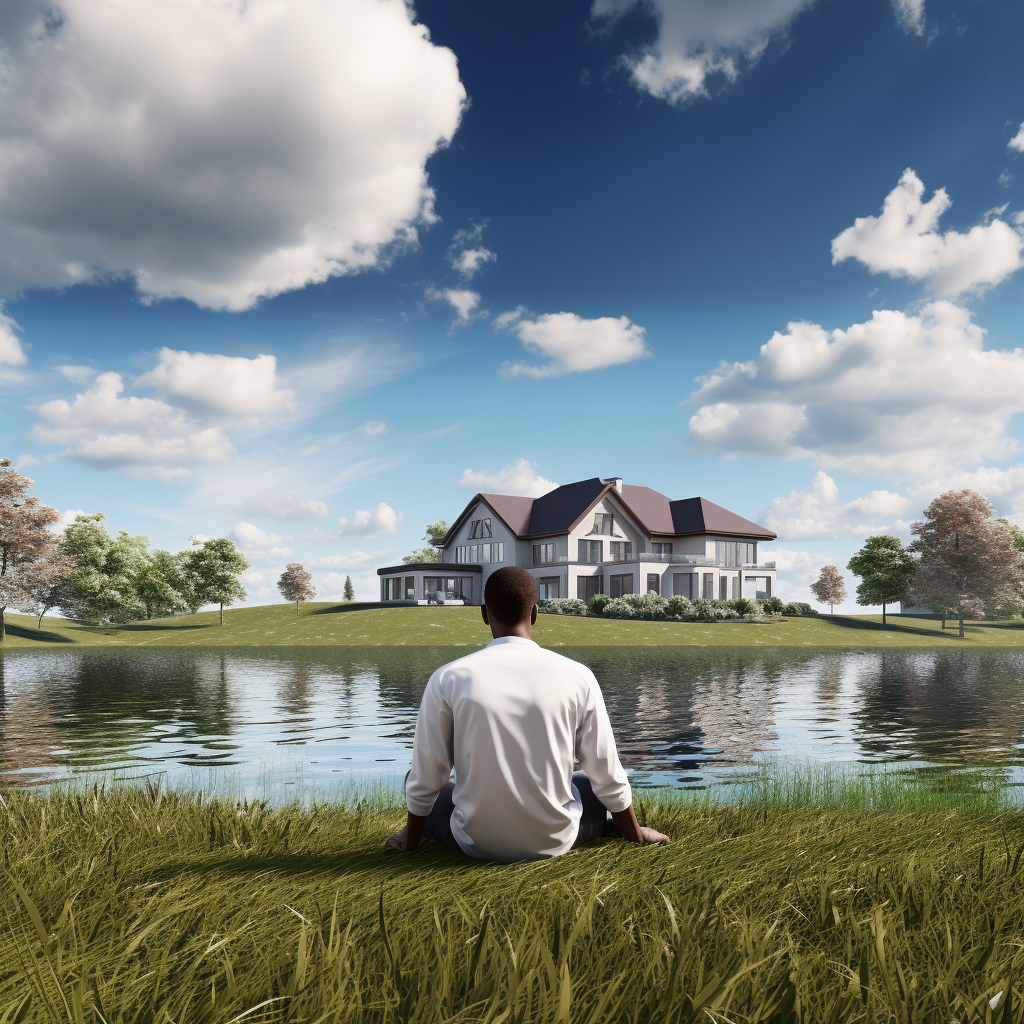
[[256, 543], [573, 344], [332, 586], [67, 517], [291, 510], [516, 478], [1017, 142], [381, 519], [466, 254], [215, 150], [223, 384], [11, 352], [140, 437], [902, 397], [700, 40], [909, 16], [23, 462], [462, 300], [373, 427], [904, 241], [354, 560], [815, 512], [77, 374], [251, 576]]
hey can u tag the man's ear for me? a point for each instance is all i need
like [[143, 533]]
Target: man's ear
[[483, 615], [533, 616]]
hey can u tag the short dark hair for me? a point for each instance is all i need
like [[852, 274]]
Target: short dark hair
[[510, 594]]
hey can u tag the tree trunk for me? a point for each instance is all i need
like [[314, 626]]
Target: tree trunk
[[831, 609], [943, 621], [296, 607], [39, 623], [883, 613], [222, 613], [3, 627], [961, 624]]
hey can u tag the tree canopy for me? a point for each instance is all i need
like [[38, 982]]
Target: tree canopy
[[885, 568], [830, 587], [434, 536], [296, 584], [214, 567]]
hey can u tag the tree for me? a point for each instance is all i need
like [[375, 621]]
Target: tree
[[885, 569], [163, 585], [350, 592], [44, 585], [104, 584], [25, 540], [830, 588], [434, 536], [969, 562], [215, 566], [296, 584]]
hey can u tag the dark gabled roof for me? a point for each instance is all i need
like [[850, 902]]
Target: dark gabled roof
[[559, 509], [698, 515]]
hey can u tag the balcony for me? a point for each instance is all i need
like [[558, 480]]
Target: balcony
[[649, 557]]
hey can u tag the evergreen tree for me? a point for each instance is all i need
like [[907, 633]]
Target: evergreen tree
[[350, 591]]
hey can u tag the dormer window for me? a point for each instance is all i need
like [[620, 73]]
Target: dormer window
[[603, 524], [479, 528]]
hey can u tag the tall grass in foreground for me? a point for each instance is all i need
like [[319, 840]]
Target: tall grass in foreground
[[143, 905]]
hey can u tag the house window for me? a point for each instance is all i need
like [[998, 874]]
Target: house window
[[587, 587], [447, 588], [760, 585], [731, 552], [410, 588], [723, 588], [591, 550], [684, 584], [709, 585], [603, 524], [621, 585], [659, 548], [735, 587], [392, 588], [543, 553], [620, 550], [476, 554], [548, 587], [653, 583], [479, 528]]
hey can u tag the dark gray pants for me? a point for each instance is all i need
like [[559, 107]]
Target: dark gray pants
[[592, 822]]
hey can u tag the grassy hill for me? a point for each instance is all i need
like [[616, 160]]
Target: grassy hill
[[320, 623]]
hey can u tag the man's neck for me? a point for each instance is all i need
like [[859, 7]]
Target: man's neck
[[520, 629]]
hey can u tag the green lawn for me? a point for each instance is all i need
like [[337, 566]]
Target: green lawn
[[336, 624], [148, 906]]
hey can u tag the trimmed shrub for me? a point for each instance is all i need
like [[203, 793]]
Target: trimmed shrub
[[743, 606], [798, 608], [597, 603], [637, 606], [562, 606], [678, 608], [773, 606]]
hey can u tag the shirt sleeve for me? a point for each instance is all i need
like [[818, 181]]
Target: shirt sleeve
[[595, 748], [433, 750]]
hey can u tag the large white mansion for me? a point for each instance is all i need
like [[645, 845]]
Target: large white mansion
[[593, 537]]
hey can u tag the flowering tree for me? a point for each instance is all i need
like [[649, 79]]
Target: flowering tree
[[296, 584], [885, 569], [26, 542], [969, 562], [830, 588]]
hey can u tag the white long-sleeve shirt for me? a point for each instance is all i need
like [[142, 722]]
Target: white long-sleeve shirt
[[511, 719]]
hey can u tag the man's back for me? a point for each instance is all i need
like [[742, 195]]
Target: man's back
[[511, 719]]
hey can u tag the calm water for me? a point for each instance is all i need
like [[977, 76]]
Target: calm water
[[278, 722]]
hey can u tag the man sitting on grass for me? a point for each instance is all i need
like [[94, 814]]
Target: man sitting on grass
[[511, 720]]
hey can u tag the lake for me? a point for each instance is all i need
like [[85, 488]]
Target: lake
[[278, 722]]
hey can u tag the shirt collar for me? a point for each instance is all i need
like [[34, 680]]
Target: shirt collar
[[512, 640]]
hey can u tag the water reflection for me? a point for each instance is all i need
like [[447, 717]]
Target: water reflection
[[271, 719]]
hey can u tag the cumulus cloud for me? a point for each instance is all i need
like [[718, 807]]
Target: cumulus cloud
[[289, 510], [516, 478], [141, 437], [572, 344], [67, 517], [462, 300], [700, 41], [354, 560], [382, 519], [909, 16], [900, 396], [1017, 142], [11, 352], [251, 576], [214, 150], [467, 255], [223, 384], [372, 428], [904, 241], [815, 512], [256, 543]]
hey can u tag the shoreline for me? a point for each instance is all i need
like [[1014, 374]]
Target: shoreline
[[327, 624]]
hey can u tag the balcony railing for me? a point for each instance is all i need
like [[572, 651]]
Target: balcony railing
[[650, 556]]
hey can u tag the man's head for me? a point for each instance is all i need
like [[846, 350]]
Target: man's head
[[510, 598]]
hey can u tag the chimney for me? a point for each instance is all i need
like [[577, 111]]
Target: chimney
[[616, 482]]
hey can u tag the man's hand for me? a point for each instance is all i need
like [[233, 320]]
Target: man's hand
[[649, 835], [397, 842], [409, 838]]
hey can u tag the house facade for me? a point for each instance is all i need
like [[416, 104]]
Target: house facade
[[593, 537]]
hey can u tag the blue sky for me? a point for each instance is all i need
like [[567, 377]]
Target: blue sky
[[314, 283]]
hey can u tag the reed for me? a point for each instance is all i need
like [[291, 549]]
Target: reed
[[147, 905]]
